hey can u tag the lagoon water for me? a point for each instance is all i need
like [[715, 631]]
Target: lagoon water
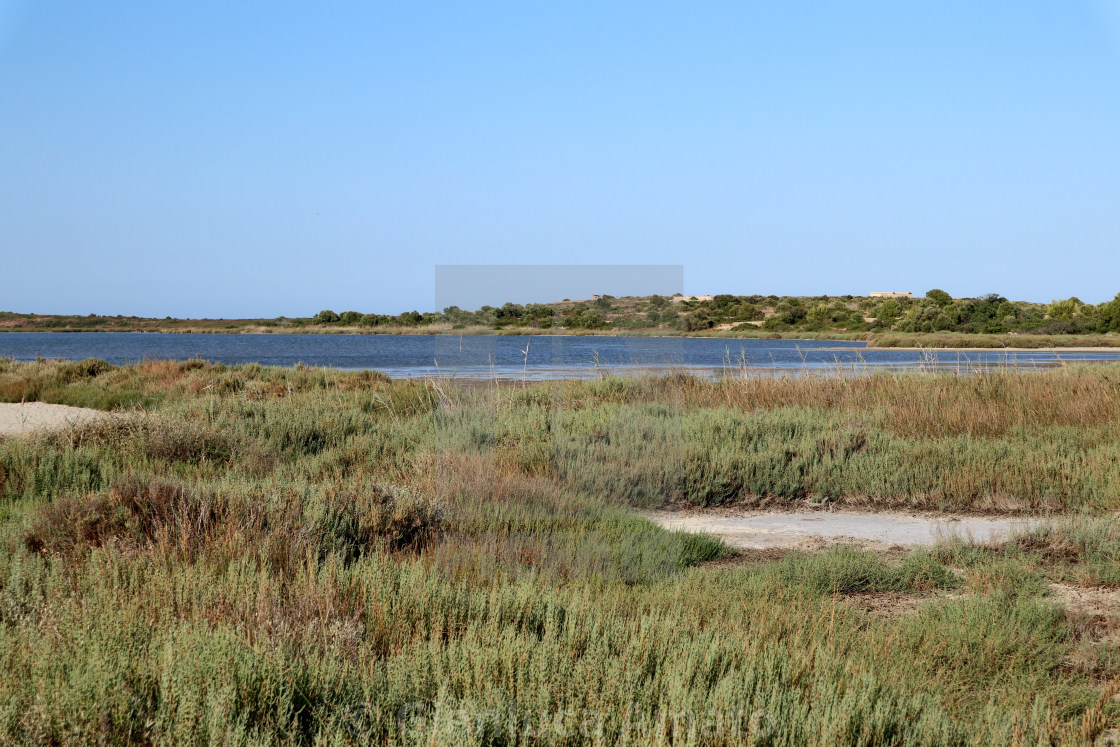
[[506, 357]]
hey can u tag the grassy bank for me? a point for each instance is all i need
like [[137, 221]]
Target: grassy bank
[[950, 340], [314, 556]]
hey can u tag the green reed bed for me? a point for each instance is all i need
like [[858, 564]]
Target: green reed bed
[[320, 557]]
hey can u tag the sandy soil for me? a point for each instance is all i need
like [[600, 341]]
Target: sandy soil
[[886, 603], [17, 419], [814, 531], [1094, 611], [1096, 608]]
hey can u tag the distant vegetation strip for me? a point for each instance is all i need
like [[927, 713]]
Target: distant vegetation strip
[[935, 320]]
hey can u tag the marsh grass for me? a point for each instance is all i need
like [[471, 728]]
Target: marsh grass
[[848, 570], [1082, 548], [969, 340], [171, 519], [300, 556]]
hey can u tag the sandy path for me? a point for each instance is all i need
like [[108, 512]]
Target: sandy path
[[813, 530], [19, 418]]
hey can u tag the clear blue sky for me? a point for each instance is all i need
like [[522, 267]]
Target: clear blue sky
[[230, 158]]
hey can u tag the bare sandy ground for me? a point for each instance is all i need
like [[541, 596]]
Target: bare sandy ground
[[17, 419], [812, 531]]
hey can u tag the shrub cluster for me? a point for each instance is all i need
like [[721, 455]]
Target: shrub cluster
[[143, 513]]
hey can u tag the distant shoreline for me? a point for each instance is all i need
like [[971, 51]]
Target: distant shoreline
[[871, 340], [936, 321], [466, 332]]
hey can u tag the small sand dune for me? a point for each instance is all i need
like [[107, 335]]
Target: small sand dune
[[17, 419]]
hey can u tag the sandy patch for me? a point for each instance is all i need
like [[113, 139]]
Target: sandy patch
[[17, 419], [1095, 609], [817, 531], [885, 603], [1093, 614]]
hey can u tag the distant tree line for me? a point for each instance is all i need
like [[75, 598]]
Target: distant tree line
[[591, 315], [937, 311]]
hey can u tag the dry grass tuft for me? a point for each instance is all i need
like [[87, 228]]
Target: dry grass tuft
[[139, 515]]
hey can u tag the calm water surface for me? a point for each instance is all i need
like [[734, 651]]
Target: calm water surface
[[536, 357]]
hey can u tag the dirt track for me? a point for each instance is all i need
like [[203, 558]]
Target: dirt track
[[812, 531]]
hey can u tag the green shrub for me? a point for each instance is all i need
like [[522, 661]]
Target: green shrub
[[846, 570], [353, 523]]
